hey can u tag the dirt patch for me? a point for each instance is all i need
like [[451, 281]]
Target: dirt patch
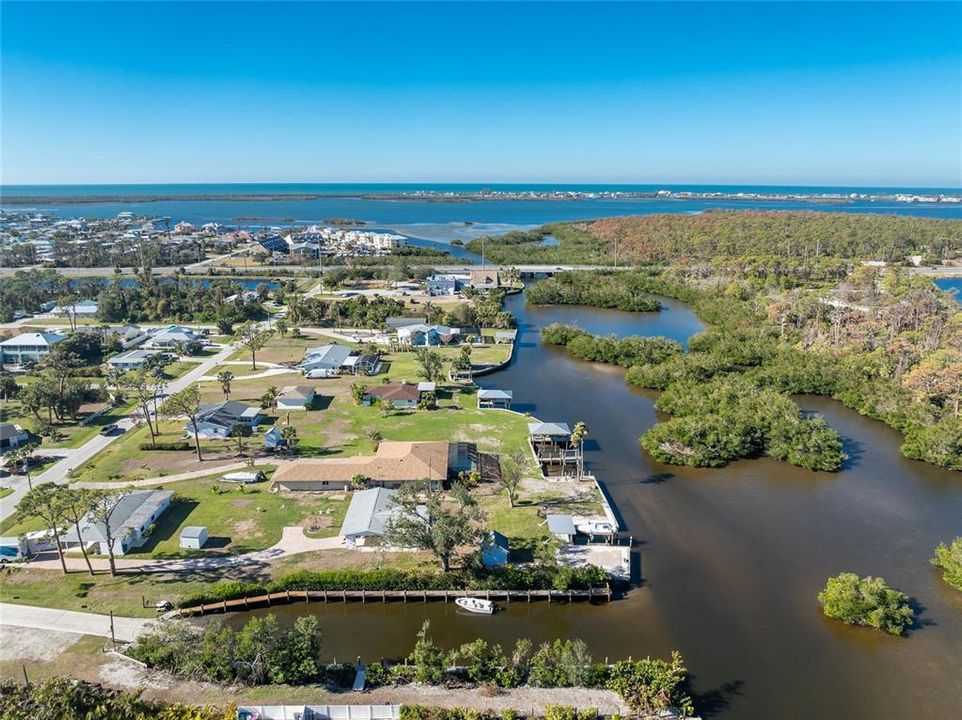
[[240, 503], [245, 528], [316, 523]]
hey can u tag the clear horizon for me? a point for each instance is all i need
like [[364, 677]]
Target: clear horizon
[[736, 94]]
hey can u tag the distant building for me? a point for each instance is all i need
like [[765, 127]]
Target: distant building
[[393, 465], [169, 337], [274, 244], [402, 394], [29, 347], [130, 523], [427, 335], [395, 323], [131, 360], [484, 279], [445, 285], [79, 309]]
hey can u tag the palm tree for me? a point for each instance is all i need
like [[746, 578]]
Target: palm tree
[[269, 398], [224, 377], [578, 440]]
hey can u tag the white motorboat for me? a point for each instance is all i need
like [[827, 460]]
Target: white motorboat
[[475, 605]]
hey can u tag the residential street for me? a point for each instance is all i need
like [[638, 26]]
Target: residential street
[[76, 457], [28, 616]]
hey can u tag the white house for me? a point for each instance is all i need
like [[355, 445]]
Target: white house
[[28, 347], [494, 398], [79, 309], [131, 360], [420, 335], [326, 357], [171, 336], [295, 397], [130, 523]]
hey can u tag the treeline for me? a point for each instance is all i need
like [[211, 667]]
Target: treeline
[[262, 653], [885, 344], [509, 577], [761, 240], [627, 352], [605, 290], [155, 299], [69, 699]]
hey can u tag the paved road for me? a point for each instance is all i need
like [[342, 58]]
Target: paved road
[[67, 621], [78, 456]]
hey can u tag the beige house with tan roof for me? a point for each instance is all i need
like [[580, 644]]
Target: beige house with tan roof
[[394, 464], [295, 397]]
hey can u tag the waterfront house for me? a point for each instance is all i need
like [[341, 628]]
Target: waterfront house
[[484, 279], [28, 347], [494, 550], [131, 360], [130, 523], [494, 398], [326, 357], [427, 335], [394, 464], [402, 394], [368, 515], [295, 397], [12, 436], [505, 337], [216, 421]]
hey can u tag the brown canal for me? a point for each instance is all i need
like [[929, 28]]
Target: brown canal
[[730, 560]]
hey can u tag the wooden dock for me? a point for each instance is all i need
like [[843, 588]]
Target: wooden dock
[[602, 594]]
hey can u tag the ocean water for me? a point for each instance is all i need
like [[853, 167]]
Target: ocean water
[[429, 220]]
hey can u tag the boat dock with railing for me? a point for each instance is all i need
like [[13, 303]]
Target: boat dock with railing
[[597, 594]]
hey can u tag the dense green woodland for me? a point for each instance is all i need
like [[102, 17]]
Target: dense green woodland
[[866, 601], [886, 344], [760, 238]]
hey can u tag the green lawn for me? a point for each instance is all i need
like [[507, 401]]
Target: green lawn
[[237, 519]]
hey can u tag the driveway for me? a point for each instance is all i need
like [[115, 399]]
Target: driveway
[[293, 542]]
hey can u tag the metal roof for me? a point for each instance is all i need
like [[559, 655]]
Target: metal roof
[[495, 394], [193, 531], [561, 525], [368, 512], [551, 429]]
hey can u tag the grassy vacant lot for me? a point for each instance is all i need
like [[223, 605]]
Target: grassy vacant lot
[[237, 519]]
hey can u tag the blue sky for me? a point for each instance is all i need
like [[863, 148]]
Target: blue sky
[[808, 93]]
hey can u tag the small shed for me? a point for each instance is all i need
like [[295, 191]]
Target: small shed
[[193, 537], [273, 438], [494, 550], [562, 527]]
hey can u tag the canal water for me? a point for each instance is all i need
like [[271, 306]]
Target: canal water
[[730, 559]]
